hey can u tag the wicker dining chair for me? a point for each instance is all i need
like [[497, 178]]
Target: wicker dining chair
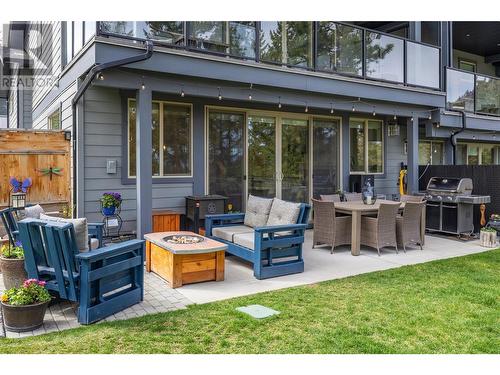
[[330, 197], [352, 197], [380, 231], [328, 228], [411, 198], [408, 226]]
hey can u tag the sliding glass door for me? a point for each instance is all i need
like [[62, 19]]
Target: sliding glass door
[[262, 174], [226, 158], [294, 160], [270, 154]]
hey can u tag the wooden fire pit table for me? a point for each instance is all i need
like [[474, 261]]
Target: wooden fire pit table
[[184, 263]]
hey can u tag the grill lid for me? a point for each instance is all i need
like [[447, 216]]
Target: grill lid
[[450, 185]]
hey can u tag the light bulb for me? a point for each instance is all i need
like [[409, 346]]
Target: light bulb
[[220, 95], [374, 113], [182, 93], [249, 96], [353, 108], [306, 109], [279, 102], [143, 86], [100, 77]]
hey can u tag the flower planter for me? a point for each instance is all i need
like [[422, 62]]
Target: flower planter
[[488, 238], [108, 211], [13, 272], [24, 318]]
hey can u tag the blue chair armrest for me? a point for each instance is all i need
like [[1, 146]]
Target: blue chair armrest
[[280, 228], [110, 251], [96, 230]]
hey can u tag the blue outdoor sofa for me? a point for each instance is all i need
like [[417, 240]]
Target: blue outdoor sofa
[[270, 235]]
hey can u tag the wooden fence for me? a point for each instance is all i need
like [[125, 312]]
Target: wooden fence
[[43, 156]]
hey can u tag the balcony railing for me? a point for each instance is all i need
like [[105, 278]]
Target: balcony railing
[[472, 92], [325, 46]]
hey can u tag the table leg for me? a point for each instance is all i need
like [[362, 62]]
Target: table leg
[[219, 266], [356, 232], [148, 256]]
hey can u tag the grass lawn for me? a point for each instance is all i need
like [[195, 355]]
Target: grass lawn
[[447, 306]]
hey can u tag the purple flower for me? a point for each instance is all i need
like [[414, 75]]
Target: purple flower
[[18, 244]]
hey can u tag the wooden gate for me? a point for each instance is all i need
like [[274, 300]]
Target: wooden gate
[[43, 156]]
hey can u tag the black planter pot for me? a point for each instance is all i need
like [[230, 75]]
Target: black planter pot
[[23, 318]]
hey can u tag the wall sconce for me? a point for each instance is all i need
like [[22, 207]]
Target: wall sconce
[[18, 200], [67, 136]]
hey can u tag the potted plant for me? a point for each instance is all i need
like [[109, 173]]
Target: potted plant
[[110, 201], [12, 265], [24, 307], [488, 237]]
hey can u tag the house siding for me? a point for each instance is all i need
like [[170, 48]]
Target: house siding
[[104, 126], [394, 155]]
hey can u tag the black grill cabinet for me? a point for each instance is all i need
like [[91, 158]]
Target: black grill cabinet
[[199, 206]]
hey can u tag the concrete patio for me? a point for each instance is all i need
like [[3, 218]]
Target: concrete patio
[[320, 265]]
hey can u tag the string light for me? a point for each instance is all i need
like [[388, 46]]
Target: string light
[[250, 94], [331, 108], [353, 108], [438, 125], [100, 76], [306, 109], [430, 116], [411, 117], [374, 113], [182, 92], [473, 137], [279, 101], [395, 117], [220, 95]]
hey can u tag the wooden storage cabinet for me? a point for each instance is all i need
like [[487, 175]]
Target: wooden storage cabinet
[[166, 221]]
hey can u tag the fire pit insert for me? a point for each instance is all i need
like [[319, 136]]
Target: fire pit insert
[[183, 239]]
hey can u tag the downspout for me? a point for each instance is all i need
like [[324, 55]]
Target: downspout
[[94, 71], [453, 137]]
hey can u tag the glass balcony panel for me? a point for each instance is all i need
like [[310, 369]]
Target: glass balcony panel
[[271, 41], [299, 44], [119, 27], [384, 57], [487, 95], [242, 37], [167, 32], [459, 90], [422, 65], [208, 35], [340, 48]]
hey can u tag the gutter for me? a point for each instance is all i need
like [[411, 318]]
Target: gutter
[[453, 137], [94, 71]]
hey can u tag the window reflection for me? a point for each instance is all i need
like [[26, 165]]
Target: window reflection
[[459, 90], [384, 57]]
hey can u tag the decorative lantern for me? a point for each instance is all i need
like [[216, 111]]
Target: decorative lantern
[[18, 200], [368, 192]]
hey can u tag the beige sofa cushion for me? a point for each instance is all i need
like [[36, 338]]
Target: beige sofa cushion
[[245, 240], [257, 211], [33, 212], [94, 243], [81, 230], [283, 213], [227, 233]]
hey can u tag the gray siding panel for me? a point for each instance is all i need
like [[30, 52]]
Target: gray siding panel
[[103, 131], [394, 155]]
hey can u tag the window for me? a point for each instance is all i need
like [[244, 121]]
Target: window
[[69, 41], [172, 138], [89, 31], [287, 43], [339, 48], [77, 36], [469, 66], [431, 32], [54, 121], [366, 146], [476, 154], [430, 152], [242, 37]]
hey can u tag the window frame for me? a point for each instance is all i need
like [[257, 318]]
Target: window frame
[[481, 146], [432, 142], [467, 62], [161, 125], [365, 129], [49, 119]]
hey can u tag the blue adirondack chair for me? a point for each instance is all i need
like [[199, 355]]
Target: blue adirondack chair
[[271, 246], [10, 217], [103, 281]]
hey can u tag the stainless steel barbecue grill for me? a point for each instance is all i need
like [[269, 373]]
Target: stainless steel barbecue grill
[[449, 206]]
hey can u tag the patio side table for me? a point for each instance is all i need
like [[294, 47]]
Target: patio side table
[[182, 264]]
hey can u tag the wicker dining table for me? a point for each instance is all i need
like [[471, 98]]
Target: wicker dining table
[[357, 209]]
